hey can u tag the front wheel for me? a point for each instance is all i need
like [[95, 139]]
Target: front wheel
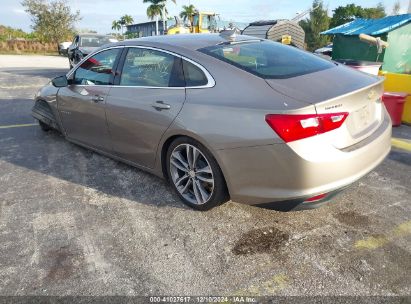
[[195, 175], [44, 127]]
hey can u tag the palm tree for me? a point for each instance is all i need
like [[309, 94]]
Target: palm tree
[[187, 12], [124, 21], [116, 25], [157, 8], [154, 10]]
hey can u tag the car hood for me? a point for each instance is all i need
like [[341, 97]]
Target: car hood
[[88, 50], [323, 85]]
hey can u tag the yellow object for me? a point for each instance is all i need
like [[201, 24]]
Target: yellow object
[[399, 83], [19, 126], [286, 39], [200, 22], [401, 144], [178, 29]]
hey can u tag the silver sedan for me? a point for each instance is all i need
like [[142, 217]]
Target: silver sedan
[[224, 117]]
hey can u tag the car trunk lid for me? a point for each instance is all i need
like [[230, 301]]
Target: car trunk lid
[[337, 90]]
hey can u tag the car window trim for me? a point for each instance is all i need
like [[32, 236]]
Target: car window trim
[[112, 76], [210, 79], [119, 67], [73, 70]]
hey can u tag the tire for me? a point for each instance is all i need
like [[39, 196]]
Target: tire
[[200, 184], [44, 126]]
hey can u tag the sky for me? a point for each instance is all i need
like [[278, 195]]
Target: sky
[[98, 14]]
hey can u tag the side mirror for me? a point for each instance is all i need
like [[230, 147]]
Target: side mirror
[[60, 81]]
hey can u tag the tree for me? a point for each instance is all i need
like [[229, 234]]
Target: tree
[[374, 12], [154, 10], [187, 12], [124, 21], [115, 25], [396, 8], [344, 14], [157, 8], [121, 23], [313, 26], [52, 21]]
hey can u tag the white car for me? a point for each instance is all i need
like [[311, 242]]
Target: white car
[[63, 47]]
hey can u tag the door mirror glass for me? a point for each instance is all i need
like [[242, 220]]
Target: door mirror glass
[[60, 82]]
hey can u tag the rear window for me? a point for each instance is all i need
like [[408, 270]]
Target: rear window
[[268, 59], [93, 41], [193, 75]]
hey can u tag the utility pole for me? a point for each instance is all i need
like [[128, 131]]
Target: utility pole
[[409, 7]]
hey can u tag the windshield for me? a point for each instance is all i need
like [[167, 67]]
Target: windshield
[[93, 41], [268, 59]]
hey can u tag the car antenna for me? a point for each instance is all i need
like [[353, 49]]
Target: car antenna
[[230, 34]]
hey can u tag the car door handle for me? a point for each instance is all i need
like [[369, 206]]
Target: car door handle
[[97, 98], [160, 105]]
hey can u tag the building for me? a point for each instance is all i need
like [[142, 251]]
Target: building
[[396, 30], [276, 30], [149, 28], [146, 29]]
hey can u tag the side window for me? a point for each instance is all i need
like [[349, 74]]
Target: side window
[[194, 76], [97, 70], [151, 68]]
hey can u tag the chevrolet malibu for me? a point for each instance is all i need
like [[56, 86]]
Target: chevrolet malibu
[[224, 117]]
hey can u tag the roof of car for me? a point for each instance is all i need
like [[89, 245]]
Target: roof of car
[[92, 35], [188, 41]]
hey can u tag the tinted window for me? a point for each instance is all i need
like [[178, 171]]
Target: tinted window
[[268, 59], [194, 76], [97, 70], [146, 67], [93, 41]]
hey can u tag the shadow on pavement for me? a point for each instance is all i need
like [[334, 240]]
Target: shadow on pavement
[[50, 154]]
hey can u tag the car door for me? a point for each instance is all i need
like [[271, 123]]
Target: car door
[[149, 95], [71, 49], [82, 103]]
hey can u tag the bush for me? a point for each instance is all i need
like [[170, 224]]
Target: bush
[[27, 46]]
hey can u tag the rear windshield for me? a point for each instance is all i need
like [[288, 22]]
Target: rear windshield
[[268, 59]]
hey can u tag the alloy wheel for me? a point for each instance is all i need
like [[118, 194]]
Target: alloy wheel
[[191, 174]]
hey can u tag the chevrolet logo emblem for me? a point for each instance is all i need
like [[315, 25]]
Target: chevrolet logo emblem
[[372, 94]]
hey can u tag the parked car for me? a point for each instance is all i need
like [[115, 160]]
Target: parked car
[[85, 44], [63, 48], [326, 50], [221, 117]]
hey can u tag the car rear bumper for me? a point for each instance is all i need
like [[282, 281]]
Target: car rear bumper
[[276, 173]]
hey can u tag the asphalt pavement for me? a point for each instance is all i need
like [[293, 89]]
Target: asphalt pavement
[[73, 222]]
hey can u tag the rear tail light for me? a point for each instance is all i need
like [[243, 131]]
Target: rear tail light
[[294, 127]]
